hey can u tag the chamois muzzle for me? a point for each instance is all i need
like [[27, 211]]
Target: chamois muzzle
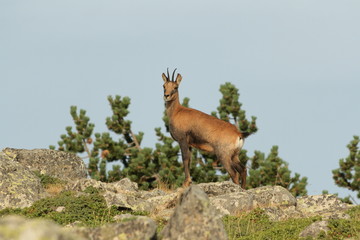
[[166, 97]]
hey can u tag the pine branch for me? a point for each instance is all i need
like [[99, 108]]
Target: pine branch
[[135, 141]]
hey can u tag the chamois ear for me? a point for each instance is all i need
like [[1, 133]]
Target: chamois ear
[[164, 77], [178, 79]]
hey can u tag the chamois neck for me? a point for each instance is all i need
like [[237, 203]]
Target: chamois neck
[[171, 106]]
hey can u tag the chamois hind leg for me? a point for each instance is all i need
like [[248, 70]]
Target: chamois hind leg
[[227, 164], [186, 157], [240, 169]]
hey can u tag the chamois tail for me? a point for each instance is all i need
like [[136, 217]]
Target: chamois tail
[[245, 134]]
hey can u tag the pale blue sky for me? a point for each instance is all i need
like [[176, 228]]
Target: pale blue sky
[[296, 64]]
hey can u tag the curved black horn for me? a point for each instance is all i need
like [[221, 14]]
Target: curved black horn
[[173, 75], [168, 75]]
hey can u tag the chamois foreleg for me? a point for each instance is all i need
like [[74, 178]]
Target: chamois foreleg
[[240, 169], [229, 167], [186, 157]]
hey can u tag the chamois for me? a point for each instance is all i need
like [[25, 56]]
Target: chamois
[[192, 128]]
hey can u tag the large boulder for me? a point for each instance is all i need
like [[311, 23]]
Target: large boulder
[[19, 228], [19, 187], [194, 218], [59, 164]]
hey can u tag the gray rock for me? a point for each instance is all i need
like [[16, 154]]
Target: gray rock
[[166, 201], [220, 188], [152, 194], [194, 218], [122, 186], [123, 194], [272, 196], [315, 229], [59, 164], [233, 203], [127, 201], [125, 184], [82, 184], [19, 187], [131, 228], [282, 213], [19, 228], [326, 205], [124, 217]]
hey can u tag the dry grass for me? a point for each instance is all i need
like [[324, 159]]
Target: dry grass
[[166, 187], [54, 189]]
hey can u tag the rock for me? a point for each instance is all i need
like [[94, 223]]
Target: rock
[[220, 188], [272, 196], [124, 217], [126, 201], [123, 194], [152, 194], [194, 218], [60, 209], [19, 187], [165, 201], [19, 228], [122, 186], [315, 229], [82, 184], [132, 228], [282, 213], [233, 203], [326, 205], [125, 185], [59, 164]]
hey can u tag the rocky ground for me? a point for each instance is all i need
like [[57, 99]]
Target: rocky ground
[[191, 213]]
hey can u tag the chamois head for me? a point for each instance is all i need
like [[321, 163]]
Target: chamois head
[[171, 86]]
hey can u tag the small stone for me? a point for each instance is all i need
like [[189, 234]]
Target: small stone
[[60, 209]]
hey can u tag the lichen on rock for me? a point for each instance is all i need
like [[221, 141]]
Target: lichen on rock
[[19, 186], [59, 164]]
